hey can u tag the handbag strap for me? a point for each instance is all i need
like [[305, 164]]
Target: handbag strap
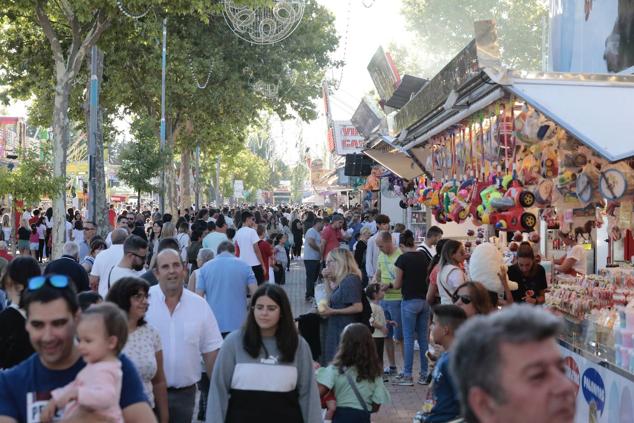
[[443, 285], [356, 392]]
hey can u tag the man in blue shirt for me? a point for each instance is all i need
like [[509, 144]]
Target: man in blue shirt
[[225, 283], [446, 405], [25, 389]]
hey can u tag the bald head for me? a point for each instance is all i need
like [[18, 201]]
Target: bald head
[[118, 236], [384, 242]]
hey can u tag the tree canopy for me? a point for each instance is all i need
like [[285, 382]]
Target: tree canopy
[[446, 27]]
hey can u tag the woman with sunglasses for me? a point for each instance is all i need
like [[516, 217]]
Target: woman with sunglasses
[[345, 304], [264, 371], [143, 346], [473, 298], [14, 339]]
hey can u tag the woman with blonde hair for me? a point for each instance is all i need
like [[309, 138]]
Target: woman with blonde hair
[[345, 306], [168, 231]]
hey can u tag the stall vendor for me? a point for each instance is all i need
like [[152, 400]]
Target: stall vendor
[[574, 262], [529, 275]]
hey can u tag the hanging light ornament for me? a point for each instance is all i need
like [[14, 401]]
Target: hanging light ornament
[[196, 80], [130, 14], [264, 25], [271, 90]]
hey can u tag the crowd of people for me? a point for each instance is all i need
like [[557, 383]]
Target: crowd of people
[[134, 326]]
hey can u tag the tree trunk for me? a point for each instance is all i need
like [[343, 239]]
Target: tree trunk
[[60, 152], [138, 202], [185, 179], [101, 212]]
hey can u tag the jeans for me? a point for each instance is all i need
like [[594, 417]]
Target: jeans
[[392, 310], [415, 315], [312, 273]]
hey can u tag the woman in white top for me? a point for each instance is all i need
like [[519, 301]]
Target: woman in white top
[[451, 275], [143, 346], [6, 228]]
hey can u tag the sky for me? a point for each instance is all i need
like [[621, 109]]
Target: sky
[[370, 27]]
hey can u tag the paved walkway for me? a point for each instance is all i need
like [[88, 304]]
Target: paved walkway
[[406, 400]]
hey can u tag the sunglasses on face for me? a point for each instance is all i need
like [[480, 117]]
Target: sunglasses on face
[[464, 298], [56, 281]]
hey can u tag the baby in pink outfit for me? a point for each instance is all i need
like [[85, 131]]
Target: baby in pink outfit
[[102, 333]]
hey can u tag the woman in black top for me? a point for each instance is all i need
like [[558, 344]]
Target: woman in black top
[[360, 249], [411, 278], [529, 275], [14, 338], [298, 234]]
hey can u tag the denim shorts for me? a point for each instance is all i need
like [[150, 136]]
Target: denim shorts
[[392, 309]]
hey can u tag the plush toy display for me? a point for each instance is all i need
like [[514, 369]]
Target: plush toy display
[[485, 264]]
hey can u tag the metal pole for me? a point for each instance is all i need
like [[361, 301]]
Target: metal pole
[[92, 133], [217, 196], [197, 190], [163, 72]]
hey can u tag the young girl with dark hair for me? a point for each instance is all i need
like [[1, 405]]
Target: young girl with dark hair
[[264, 371], [355, 377]]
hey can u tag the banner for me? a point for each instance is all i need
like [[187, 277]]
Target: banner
[[238, 188], [603, 396], [348, 140], [591, 36]]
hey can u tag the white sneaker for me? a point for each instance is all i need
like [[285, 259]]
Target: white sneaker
[[416, 346]]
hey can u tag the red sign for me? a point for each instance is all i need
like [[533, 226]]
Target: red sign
[[331, 140], [347, 139]]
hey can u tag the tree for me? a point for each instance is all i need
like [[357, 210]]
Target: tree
[[32, 179], [445, 27], [141, 160], [298, 177]]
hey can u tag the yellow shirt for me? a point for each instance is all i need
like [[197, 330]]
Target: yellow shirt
[[388, 274]]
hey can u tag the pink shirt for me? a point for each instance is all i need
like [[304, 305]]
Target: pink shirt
[[332, 237], [97, 387]]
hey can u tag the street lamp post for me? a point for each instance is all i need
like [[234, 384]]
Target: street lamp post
[[163, 72]]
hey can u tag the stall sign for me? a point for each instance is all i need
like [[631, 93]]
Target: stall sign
[[603, 396], [384, 74], [348, 140]]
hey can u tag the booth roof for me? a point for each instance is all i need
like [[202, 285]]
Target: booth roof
[[597, 109]]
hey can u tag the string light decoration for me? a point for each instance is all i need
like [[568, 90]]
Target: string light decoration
[[337, 80], [264, 25], [196, 80], [367, 3], [130, 14], [271, 90]]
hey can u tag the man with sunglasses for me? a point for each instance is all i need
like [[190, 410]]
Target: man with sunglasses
[[90, 230], [52, 312], [133, 261]]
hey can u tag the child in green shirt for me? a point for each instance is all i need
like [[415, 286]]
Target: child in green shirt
[[355, 367]]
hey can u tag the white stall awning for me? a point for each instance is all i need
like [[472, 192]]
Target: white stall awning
[[597, 109], [395, 161]]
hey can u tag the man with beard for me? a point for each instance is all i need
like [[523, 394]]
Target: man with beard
[[52, 313], [134, 255]]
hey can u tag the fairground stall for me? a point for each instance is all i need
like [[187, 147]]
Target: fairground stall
[[507, 156]]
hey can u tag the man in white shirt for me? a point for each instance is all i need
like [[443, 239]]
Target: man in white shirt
[[247, 241], [372, 253], [188, 329], [122, 223], [134, 255], [228, 220], [105, 261], [428, 246]]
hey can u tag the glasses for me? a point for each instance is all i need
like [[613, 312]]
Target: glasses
[[140, 296], [464, 298], [56, 281], [139, 256]]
